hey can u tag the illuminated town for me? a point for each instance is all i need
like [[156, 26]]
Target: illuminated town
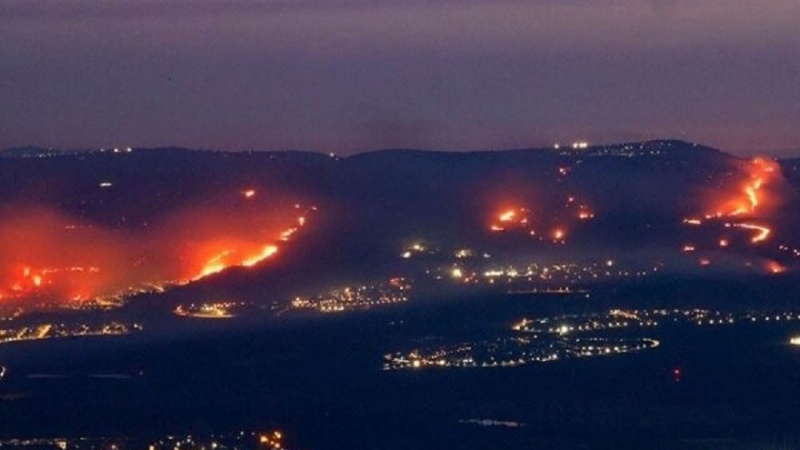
[[399, 225], [558, 338], [216, 310], [242, 440], [63, 330], [356, 298]]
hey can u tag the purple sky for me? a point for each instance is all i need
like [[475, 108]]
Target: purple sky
[[354, 75]]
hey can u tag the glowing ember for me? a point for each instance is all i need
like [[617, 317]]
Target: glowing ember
[[508, 216], [775, 267]]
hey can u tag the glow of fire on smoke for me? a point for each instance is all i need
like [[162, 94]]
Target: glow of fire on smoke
[[775, 267], [63, 262], [508, 216]]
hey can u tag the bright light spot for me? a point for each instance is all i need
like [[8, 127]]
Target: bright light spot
[[508, 216], [457, 273], [463, 253], [249, 193], [775, 267]]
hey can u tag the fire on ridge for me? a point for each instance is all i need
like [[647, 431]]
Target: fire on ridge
[[748, 207], [48, 257]]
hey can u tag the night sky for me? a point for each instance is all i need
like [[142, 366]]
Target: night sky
[[355, 75]]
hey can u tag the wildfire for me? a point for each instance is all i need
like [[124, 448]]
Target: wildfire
[[267, 252], [510, 218], [751, 194], [747, 200], [762, 232], [42, 258], [521, 219], [234, 258]]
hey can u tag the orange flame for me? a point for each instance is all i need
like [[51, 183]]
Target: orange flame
[[46, 256], [749, 198], [751, 195], [762, 232]]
